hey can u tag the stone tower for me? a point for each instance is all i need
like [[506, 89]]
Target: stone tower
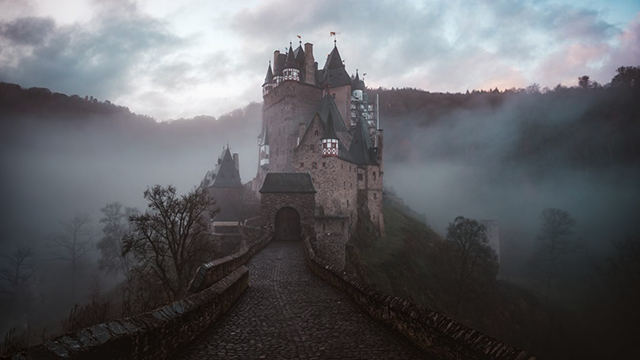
[[319, 121]]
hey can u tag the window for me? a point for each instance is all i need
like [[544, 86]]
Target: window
[[359, 177], [324, 164], [314, 165], [315, 132], [301, 164], [374, 176], [341, 166], [375, 196]]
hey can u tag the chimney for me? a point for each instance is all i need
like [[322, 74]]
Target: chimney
[[309, 67]]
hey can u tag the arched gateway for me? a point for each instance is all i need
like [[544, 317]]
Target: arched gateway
[[287, 224], [287, 204]]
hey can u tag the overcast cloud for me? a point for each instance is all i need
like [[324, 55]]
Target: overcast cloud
[[171, 60]]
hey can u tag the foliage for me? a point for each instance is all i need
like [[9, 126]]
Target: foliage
[[553, 243], [170, 240], [472, 264], [627, 76], [111, 246], [18, 270], [73, 244]]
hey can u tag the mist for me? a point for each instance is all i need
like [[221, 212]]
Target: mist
[[509, 160], [55, 167]]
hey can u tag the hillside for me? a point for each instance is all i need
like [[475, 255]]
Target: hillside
[[406, 263]]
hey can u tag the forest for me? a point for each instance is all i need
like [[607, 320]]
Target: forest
[[78, 172]]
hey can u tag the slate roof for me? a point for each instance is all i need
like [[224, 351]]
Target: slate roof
[[334, 74], [299, 53], [328, 106], [357, 84], [226, 174], [361, 147], [290, 63], [344, 154], [287, 183], [329, 132], [269, 78]]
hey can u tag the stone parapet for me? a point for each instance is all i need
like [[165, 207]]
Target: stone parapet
[[213, 271], [437, 334], [154, 335]]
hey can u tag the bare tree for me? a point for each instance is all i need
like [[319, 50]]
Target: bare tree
[[73, 243], [18, 270], [170, 240], [471, 262], [116, 226], [554, 242]]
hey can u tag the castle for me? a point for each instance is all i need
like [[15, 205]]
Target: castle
[[320, 150], [320, 122]]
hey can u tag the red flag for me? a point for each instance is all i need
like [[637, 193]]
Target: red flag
[[299, 37], [333, 33]]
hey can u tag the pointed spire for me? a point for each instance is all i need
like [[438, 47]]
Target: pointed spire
[[290, 63], [360, 148], [269, 78], [357, 84], [329, 129], [334, 60]]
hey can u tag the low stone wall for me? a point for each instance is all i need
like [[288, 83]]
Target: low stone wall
[[212, 272], [154, 335], [438, 335]]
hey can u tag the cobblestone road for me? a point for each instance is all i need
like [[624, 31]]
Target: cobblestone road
[[288, 313]]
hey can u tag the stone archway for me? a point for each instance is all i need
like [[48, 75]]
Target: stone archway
[[287, 224]]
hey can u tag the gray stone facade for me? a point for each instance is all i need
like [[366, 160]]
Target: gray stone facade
[[296, 117]]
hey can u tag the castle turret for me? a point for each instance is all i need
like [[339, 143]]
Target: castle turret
[[291, 70], [264, 149], [329, 139], [357, 87], [268, 81]]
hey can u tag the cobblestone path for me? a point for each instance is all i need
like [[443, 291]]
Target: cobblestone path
[[288, 313]]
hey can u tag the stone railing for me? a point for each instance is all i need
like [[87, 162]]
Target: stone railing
[[153, 335], [160, 333], [436, 334], [212, 272]]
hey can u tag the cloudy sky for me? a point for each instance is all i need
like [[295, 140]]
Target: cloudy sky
[[172, 59]]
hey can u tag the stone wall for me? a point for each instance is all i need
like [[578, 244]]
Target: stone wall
[[304, 203], [334, 179], [212, 272], [332, 236], [438, 335], [154, 335], [285, 107]]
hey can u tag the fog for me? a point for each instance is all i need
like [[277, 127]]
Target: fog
[[56, 168], [478, 164], [503, 160]]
